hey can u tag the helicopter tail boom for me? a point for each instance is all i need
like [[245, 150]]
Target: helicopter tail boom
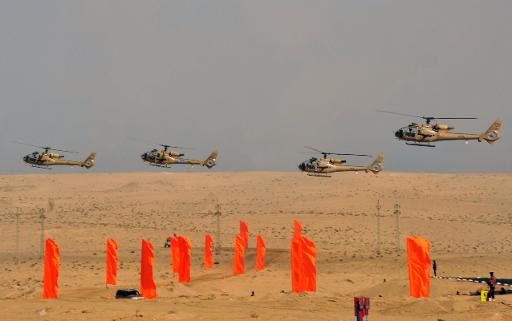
[[493, 133], [89, 161], [377, 165], [211, 160]]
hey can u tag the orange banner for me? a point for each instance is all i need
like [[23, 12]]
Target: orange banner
[[303, 261], [296, 256], [147, 283], [112, 262], [208, 251], [260, 253], [51, 270], [185, 256], [418, 255], [244, 232], [238, 259], [297, 228], [175, 254], [309, 265]]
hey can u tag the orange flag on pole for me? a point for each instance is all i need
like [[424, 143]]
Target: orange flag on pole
[[303, 261], [260, 253], [296, 256], [175, 253], [185, 256], [208, 251], [238, 259], [51, 270], [244, 232], [147, 283], [112, 262], [309, 265], [418, 256], [297, 228]]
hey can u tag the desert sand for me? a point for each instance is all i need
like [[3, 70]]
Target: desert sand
[[467, 217]]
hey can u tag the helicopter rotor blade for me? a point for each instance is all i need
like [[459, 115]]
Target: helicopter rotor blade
[[450, 117], [359, 155], [332, 153], [399, 114], [176, 147], [46, 147], [423, 117], [20, 143], [61, 150], [314, 149]]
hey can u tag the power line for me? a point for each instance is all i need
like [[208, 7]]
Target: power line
[[378, 227], [42, 217], [18, 213], [218, 242], [397, 213]]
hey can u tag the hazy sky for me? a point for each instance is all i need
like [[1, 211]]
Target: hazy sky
[[256, 79]]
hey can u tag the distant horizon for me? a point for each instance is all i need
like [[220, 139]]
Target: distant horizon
[[49, 172]]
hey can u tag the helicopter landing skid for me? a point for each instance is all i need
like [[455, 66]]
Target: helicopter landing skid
[[420, 144], [318, 175], [42, 167], [156, 165]]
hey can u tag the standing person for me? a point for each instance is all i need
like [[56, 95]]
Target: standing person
[[492, 286], [434, 267], [167, 242]]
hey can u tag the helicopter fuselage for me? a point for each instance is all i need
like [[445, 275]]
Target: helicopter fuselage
[[329, 165], [427, 133], [52, 159], [165, 158]]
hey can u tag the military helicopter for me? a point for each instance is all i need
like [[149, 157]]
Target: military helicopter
[[166, 157], [48, 158], [321, 167], [424, 134]]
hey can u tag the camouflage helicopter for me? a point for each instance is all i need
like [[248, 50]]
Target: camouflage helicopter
[[321, 167], [424, 134], [166, 157], [48, 158]]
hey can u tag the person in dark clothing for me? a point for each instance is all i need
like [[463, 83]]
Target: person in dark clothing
[[434, 267], [167, 242], [492, 287]]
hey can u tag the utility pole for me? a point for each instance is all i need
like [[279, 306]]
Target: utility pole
[[218, 243], [18, 212], [42, 217], [378, 226], [397, 227]]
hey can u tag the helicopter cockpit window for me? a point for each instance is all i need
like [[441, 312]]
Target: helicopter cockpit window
[[410, 131], [312, 163]]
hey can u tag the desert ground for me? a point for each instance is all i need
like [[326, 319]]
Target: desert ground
[[467, 217]]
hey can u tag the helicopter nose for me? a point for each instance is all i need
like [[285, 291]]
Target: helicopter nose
[[25, 158], [399, 133], [302, 166], [144, 156]]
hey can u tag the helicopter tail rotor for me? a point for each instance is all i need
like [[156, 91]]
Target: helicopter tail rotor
[[211, 160], [89, 161], [377, 165], [492, 134]]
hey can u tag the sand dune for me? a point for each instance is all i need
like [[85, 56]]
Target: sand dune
[[467, 217]]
